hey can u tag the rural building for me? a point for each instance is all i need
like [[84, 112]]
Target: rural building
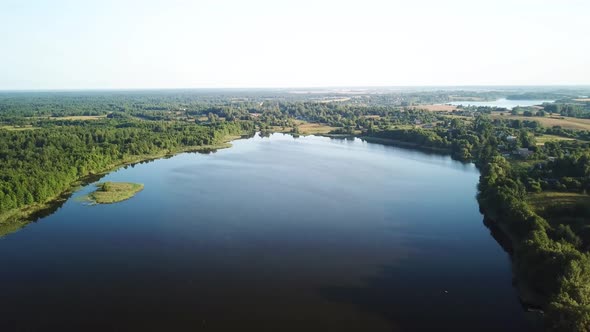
[[523, 152]]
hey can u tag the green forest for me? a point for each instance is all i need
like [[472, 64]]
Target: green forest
[[39, 164]]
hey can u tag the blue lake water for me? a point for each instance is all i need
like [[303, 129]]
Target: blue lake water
[[505, 103], [277, 234]]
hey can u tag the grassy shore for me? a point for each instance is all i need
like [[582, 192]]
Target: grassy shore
[[114, 192], [13, 220]]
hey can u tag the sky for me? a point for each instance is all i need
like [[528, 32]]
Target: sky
[[124, 44]]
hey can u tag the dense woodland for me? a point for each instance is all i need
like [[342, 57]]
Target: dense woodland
[[40, 163], [48, 141]]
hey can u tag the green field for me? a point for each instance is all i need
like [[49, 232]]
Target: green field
[[307, 128], [114, 192], [541, 140], [18, 128], [565, 208], [550, 121], [548, 199]]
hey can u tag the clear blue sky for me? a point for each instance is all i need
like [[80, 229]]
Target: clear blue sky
[[63, 44]]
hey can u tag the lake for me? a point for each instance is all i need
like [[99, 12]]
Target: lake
[[275, 233], [503, 102]]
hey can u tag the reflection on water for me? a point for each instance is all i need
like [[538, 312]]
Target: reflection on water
[[275, 233]]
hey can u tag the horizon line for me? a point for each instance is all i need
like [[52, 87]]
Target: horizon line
[[301, 87]]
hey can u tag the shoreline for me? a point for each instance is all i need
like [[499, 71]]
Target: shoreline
[[531, 301], [13, 220], [529, 298], [393, 142], [16, 219]]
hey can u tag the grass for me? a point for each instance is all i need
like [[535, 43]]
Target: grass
[[333, 100], [75, 117], [550, 121], [80, 117], [307, 128], [114, 192], [543, 200], [18, 128], [562, 207], [541, 140], [434, 107], [404, 126]]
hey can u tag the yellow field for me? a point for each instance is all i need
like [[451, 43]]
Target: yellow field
[[72, 117], [563, 121], [434, 108], [80, 117], [333, 100], [18, 128], [307, 128], [404, 126]]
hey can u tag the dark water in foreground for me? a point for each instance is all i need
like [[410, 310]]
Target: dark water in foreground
[[273, 234]]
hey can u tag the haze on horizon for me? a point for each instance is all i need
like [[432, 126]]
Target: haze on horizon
[[110, 44]]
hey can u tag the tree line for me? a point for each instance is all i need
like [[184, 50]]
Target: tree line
[[38, 164]]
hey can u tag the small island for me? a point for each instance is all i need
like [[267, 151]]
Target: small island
[[114, 192]]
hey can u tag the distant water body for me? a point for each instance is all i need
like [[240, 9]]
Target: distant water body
[[273, 234], [505, 103]]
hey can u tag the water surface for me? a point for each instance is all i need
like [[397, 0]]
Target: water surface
[[277, 234], [503, 103]]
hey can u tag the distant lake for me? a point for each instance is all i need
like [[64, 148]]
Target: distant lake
[[505, 103], [275, 234]]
